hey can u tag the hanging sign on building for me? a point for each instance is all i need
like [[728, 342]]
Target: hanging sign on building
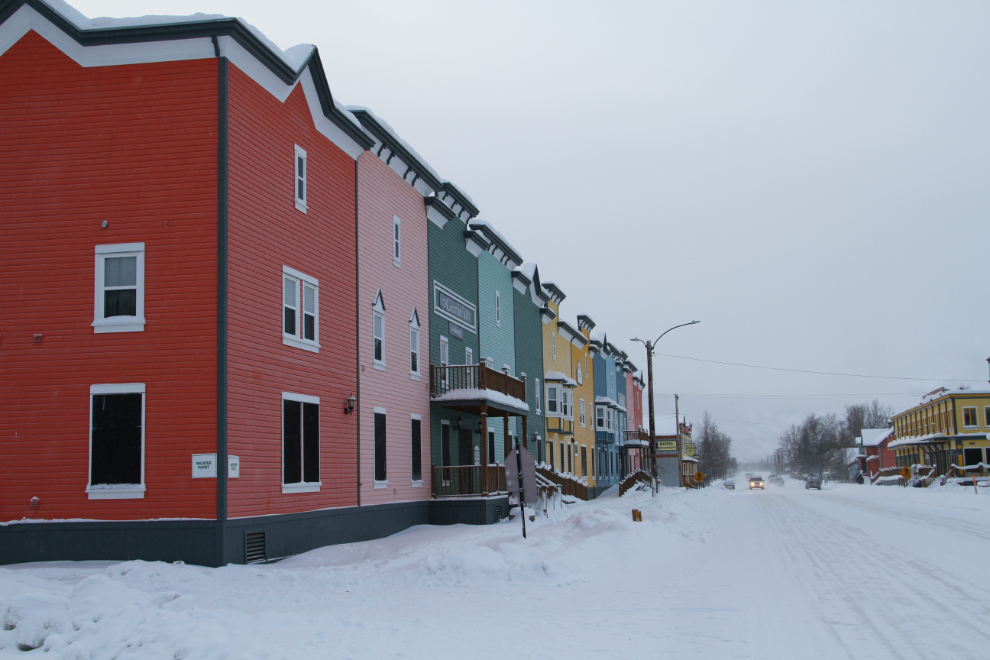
[[689, 449], [667, 445], [455, 330], [454, 308]]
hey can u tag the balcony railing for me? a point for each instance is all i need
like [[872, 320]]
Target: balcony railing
[[642, 436], [468, 480], [474, 377]]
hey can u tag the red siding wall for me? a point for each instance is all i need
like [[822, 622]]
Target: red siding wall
[[136, 146], [267, 232]]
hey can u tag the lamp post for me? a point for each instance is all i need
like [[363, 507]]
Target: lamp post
[[653, 431]]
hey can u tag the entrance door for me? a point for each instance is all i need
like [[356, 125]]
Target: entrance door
[[491, 447], [465, 451], [445, 445]]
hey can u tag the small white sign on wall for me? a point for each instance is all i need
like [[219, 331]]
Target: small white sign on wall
[[233, 467], [204, 466]]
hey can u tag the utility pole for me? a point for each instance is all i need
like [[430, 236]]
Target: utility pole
[[653, 429], [677, 430]]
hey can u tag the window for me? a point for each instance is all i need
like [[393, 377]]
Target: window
[[566, 409], [300, 322], [583, 418], [570, 458], [468, 356], [550, 453], [300, 443], [414, 346], [498, 309], [986, 417], [396, 240], [552, 400], [300, 179], [584, 461], [417, 450], [444, 352], [538, 396], [381, 479], [553, 344], [116, 442], [600, 417], [378, 330], [969, 418], [119, 303], [580, 375]]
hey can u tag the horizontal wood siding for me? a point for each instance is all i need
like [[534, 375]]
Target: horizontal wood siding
[[382, 194], [135, 146], [266, 232]]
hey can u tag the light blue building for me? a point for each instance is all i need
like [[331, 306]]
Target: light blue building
[[609, 414]]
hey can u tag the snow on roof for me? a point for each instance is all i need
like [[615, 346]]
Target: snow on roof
[[471, 394], [488, 228], [460, 190], [557, 376], [916, 440], [295, 57], [395, 136], [873, 437], [609, 402], [528, 269]]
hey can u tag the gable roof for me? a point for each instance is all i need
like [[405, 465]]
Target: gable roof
[[388, 139]]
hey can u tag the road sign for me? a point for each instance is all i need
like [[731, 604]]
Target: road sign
[[906, 472], [699, 476], [528, 476]]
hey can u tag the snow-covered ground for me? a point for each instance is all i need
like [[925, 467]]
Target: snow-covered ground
[[848, 572]]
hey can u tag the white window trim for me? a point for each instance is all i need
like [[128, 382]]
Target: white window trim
[[538, 393], [115, 491], [302, 486], [301, 203], [468, 355], [313, 346], [584, 419], [600, 426], [119, 323], [986, 416], [397, 243], [378, 309], [414, 327], [580, 375], [378, 484], [498, 309], [976, 414], [553, 344], [417, 483]]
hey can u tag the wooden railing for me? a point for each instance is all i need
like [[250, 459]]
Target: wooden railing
[[567, 486], [637, 477], [643, 436], [467, 480], [474, 377]]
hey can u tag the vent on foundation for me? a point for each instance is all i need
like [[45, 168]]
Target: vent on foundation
[[254, 548], [498, 512]]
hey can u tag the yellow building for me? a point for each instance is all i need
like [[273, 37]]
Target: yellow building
[[582, 371], [559, 386], [949, 428]]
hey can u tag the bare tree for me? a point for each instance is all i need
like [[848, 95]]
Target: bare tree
[[714, 450]]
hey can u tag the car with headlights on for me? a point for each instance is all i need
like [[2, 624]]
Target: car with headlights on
[[756, 482]]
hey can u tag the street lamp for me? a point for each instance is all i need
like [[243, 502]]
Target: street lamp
[[653, 431]]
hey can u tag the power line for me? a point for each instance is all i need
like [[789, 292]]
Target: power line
[[772, 397], [820, 373]]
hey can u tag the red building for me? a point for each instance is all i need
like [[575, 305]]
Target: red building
[[178, 336], [878, 456]]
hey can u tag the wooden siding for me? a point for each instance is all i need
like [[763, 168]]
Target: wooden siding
[[381, 194], [497, 340], [267, 232], [584, 435], [529, 360], [135, 146]]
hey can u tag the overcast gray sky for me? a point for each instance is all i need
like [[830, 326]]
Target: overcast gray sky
[[810, 180]]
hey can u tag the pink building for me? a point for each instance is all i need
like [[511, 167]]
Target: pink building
[[636, 435], [393, 324]]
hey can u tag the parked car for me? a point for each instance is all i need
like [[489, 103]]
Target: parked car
[[776, 479], [756, 482], [813, 481], [730, 484]]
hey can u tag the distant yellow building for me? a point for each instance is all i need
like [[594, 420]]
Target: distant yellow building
[[559, 386], [949, 428]]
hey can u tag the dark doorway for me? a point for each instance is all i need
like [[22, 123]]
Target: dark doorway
[[445, 445], [465, 453], [491, 447]]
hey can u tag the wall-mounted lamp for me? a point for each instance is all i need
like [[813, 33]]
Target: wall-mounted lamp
[[457, 423], [351, 400], [477, 429]]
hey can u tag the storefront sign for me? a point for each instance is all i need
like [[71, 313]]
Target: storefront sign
[[666, 445], [689, 449], [204, 466], [454, 308], [455, 330]]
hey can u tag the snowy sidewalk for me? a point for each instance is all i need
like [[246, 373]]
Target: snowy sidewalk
[[846, 572]]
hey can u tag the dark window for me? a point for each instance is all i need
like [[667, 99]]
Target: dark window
[[380, 447], [300, 442], [973, 456], [445, 444], [119, 286], [116, 433], [969, 417], [417, 451], [491, 447], [309, 312], [584, 461], [550, 454]]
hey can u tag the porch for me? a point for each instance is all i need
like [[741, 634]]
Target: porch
[[477, 390]]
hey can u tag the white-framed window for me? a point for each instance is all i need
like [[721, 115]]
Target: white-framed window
[[468, 356], [381, 448], [300, 179], [378, 332], [566, 401], [119, 297], [300, 443], [444, 351], [397, 241], [970, 420], [584, 420], [553, 405], [538, 392], [116, 442], [986, 417], [580, 375], [300, 310], [498, 309], [553, 344], [414, 370], [416, 443], [600, 418]]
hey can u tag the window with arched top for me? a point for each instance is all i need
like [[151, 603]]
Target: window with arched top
[[580, 375]]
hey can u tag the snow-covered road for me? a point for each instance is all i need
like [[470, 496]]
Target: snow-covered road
[[848, 572]]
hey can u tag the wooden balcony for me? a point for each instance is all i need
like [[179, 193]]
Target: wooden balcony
[[468, 480], [637, 437], [444, 380]]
